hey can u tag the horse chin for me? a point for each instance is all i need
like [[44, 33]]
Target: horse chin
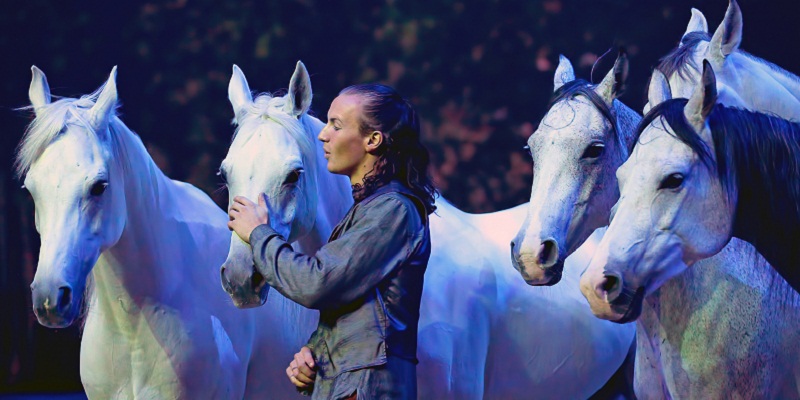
[[549, 277], [249, 300], [620, 312], [55, 319]]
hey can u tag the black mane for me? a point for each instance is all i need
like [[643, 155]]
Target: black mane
[[758, 162], [680, 58]]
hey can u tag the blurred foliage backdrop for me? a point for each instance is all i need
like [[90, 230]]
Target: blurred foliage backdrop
[[479, 71]]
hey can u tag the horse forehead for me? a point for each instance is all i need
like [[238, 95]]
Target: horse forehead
[[574, 115], [270, 144], [657, 147], [73, 152]]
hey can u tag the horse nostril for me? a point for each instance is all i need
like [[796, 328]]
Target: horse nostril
[[257, 280], [64, 297], [548, 253], [611, 286], [226, 284]]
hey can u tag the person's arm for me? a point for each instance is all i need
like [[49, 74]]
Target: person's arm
[[383, 235]]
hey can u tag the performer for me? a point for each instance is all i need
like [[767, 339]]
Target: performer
[[367, 280]]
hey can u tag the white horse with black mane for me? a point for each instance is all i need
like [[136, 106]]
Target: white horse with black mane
[[584, 137], [483, 333], [743, 80], [700, 173], [158, 326]]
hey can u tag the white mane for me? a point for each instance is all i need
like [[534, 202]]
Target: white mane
[[50, 121]]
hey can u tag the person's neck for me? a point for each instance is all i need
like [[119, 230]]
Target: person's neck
[[366, 166]]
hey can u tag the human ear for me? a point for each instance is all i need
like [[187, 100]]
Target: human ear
[[374, 140]]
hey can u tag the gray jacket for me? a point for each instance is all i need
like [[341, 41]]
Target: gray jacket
[[366, 282]]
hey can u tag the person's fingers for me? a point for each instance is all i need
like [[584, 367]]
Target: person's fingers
[[230, 225], [304, 370], [308, 357], [297, 383], [302, 367], [304, 379], [262, 200], [289, 372]]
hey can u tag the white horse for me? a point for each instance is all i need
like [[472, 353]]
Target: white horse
[[731, 330], [477, 319], [743, 80], [158, 324], [675, 316]]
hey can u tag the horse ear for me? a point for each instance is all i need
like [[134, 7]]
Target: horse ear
[[697, 23], [564, 73], [239, 92], [703, 99], [298, 100], [728, 35], [106, 102], [658, 91], [39, 92], [613, 84]]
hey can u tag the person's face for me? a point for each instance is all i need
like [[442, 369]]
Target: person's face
[[345, 147]]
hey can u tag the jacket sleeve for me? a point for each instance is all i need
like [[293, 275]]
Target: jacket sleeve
[[384, 233]]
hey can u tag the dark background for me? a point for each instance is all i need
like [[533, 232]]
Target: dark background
[[480, 73]]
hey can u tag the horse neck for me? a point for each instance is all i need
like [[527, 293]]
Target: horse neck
[[333, 191], [763, 86], [144, 263], [762, 161]]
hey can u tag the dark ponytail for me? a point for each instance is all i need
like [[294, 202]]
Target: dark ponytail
[[402, 156]]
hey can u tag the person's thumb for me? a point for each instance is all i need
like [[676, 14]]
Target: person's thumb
[[262, 200]]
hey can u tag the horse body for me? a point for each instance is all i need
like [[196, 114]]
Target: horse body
[[476, 316], [477, 319], [158, 325], [149, 332], [725, 328]]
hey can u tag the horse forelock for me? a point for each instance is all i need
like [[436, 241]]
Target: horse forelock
[[49, 122], [265, 114], [679, 60], [580, 87]]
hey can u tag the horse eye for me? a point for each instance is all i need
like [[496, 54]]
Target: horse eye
[[221, 174], [98, 188], [672, 181], [594, 150], [293, 177]]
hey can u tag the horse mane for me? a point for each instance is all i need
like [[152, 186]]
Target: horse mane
[[679, 60], [580, 87], [50, 121], [758, 164]]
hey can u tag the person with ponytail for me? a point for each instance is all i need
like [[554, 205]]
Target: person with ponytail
[[367, 280]]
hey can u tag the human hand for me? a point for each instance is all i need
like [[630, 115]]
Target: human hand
[[302, 370], [245, 215]]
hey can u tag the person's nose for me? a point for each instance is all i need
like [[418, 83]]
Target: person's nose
[[323, 134]]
